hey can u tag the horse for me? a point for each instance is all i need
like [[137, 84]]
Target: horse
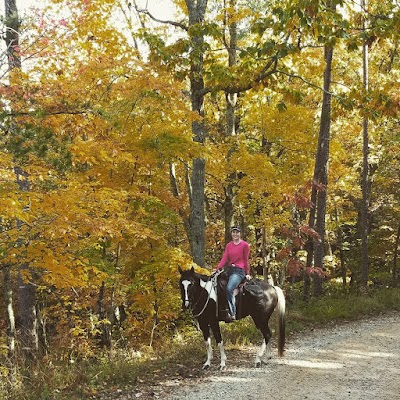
[[199, 294]]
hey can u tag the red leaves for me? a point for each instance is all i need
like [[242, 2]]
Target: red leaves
[[294, 267], [310, 232], [315, 271], [283, 254], [62, 22], [300, 200]]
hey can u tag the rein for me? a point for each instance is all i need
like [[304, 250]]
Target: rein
[[205, 306]]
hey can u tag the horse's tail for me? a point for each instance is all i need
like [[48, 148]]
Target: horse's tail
[[280, 309]]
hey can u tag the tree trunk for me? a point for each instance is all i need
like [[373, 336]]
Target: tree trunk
[[365, 175], [320, 183], [12, 40], [266, 256], [10, 319], [231, 125], [343, 270], [105, 326], [310, 241], [12, 33], [196, 10], [177, 194], [27, 308], [322, 170], [27, 302], [396, 250]]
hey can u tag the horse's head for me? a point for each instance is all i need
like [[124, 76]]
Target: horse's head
[[187, 285]]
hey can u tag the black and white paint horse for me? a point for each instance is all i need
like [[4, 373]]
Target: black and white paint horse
[[198, 294]]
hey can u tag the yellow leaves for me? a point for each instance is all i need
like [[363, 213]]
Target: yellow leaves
[[61, 269], [257, 168], [11, 207], [233, 15]]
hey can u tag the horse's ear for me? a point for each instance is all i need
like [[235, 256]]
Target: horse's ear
[[192, 269], [180, 269]]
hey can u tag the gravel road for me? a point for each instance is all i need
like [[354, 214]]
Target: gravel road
[[355, 360]]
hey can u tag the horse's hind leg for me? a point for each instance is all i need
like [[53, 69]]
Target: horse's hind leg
[[266, 344], [264, 349]]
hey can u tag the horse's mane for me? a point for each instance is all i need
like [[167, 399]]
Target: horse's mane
[[203, 277]]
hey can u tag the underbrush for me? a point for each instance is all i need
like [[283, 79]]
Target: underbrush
[[113, 370], [122, 369], [342, 306]]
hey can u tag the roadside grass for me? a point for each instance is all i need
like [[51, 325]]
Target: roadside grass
[[121, 369], [342, 306], [334, 307]]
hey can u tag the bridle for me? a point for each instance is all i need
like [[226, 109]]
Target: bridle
[[192, 306], [213, 280]]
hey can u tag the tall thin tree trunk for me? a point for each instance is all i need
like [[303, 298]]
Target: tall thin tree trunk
[[10, 319], [29, 337], [156, 316], [322, 168], [27, 301], [395, 255], [12, 34], [320, 181], [105, 332], [323, 148], [343, 269], [266, 256], [12, 40], [231, 122], [310, 241], [365, 174], [196, 10], [27, 309]]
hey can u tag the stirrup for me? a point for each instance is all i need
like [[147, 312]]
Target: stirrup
[[230, 318]]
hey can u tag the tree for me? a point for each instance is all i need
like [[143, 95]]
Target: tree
[[29, 335], [365, 185], [232, 125], [196, 11], [320, 178]]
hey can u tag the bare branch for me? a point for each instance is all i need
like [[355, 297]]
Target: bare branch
[[306, 82], [269, 69], [168, 22]]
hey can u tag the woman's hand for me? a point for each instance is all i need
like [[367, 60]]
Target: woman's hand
[[248, 277]]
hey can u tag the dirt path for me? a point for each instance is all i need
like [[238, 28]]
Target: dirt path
[[353, 361], [356, 360]]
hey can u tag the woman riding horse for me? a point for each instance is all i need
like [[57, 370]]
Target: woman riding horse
[[199, 294], [236, 258]]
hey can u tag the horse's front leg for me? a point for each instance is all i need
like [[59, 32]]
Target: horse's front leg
[[205, 329], [218, 338], [207, 364]]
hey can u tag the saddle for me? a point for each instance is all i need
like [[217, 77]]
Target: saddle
[[251, 288], [222, 302]]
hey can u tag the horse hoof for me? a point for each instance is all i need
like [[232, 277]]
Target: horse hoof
[[258, 364], [222, 368], [205, 367]]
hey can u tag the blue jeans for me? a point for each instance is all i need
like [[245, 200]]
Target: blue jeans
[[236, 275]]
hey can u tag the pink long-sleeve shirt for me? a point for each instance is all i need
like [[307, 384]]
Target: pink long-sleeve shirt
[[237, 254]]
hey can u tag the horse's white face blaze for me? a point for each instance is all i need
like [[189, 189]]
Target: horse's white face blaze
[[186, 285]]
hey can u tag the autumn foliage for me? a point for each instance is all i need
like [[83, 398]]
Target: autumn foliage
[[97, 144]]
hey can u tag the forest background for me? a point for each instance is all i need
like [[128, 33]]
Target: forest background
[[132, 140]]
